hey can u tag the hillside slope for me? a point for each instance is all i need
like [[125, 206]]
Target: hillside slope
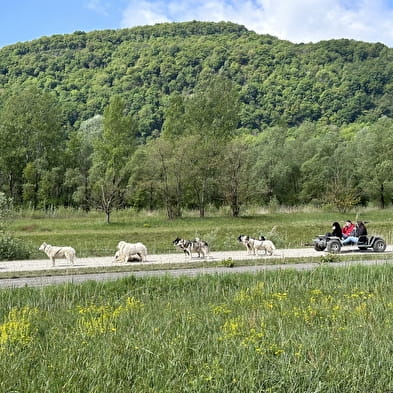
[[335, 81]]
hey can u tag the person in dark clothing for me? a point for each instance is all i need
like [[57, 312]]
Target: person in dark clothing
[[336, 228], [337, 231], [361, 229]]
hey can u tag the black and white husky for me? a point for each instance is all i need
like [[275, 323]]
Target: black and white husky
[[245, 240], [190, 246]]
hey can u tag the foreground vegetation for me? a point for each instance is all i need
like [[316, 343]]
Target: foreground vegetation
[[277, 332], [91, 236]]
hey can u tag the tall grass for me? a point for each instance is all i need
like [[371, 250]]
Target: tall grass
[[91, 236], [327, 330]]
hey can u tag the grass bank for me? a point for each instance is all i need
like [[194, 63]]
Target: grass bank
[[91, 236], [284, 331]]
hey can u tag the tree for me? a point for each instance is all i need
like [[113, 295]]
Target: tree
[[31, 176], [272, 171], [31, 132], [342, 188], [235, 172], [325, 162], [79, 156], [341, 195], [374, 160], [211, 115], [113, 150], [163, 172], [174, 123], [143, 190]]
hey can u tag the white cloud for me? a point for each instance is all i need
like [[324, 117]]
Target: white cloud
[[140, 13], [98, 6], [303, 21], [293, 20]]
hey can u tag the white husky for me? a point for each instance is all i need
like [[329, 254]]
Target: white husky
[[54, 252], [266, 245], [129, 250], [131, 258]]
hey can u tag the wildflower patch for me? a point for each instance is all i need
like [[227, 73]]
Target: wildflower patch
[[16, 328]]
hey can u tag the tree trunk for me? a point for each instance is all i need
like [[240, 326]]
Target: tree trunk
[[235, 208], [202, 202], [382, 198]]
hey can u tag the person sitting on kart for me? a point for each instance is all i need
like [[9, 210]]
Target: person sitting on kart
[[359, 231], [336, 228], [348, 228]]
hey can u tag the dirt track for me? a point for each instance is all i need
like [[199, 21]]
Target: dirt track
[[154, 259], [158, 259]]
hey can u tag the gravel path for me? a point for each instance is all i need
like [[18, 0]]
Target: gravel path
[[154, 259], [158, 259]]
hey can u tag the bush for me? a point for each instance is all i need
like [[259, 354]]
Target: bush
[[275, 237], [12, 248], [330, 258], [228, 262], [5, 209]]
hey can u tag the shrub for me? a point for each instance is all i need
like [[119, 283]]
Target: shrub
[[228, 262], [330, 258], [12, 248], [5, 208], [274, 235]]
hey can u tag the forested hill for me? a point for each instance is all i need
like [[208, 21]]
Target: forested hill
[[335, 81]]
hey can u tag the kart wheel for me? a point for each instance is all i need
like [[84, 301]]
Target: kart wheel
[[379, 245], [334, 246], [319, 247]]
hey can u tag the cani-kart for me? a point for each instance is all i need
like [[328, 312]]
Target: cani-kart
[[333, 244]]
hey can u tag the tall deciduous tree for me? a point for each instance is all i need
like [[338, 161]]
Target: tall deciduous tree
[[31, 133], [162, 172], [79, 155], [110, 171], [170, 187], [374, 161], [235, 172], [212, 115], [272, 169]]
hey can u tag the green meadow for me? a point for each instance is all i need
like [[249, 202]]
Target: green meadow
[[325, 330], [90, 235]]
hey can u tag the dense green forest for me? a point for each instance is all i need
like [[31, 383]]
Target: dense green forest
[[336, 81], [192, 114]]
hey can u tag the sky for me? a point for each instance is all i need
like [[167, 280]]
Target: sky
[[293, 20]]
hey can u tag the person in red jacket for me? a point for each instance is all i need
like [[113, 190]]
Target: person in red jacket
[[360, 231], [348, 228]]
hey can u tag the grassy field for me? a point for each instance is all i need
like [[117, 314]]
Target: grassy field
[[91, 236], [326, 330]]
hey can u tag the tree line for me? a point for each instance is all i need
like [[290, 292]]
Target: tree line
[[201, 157]]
